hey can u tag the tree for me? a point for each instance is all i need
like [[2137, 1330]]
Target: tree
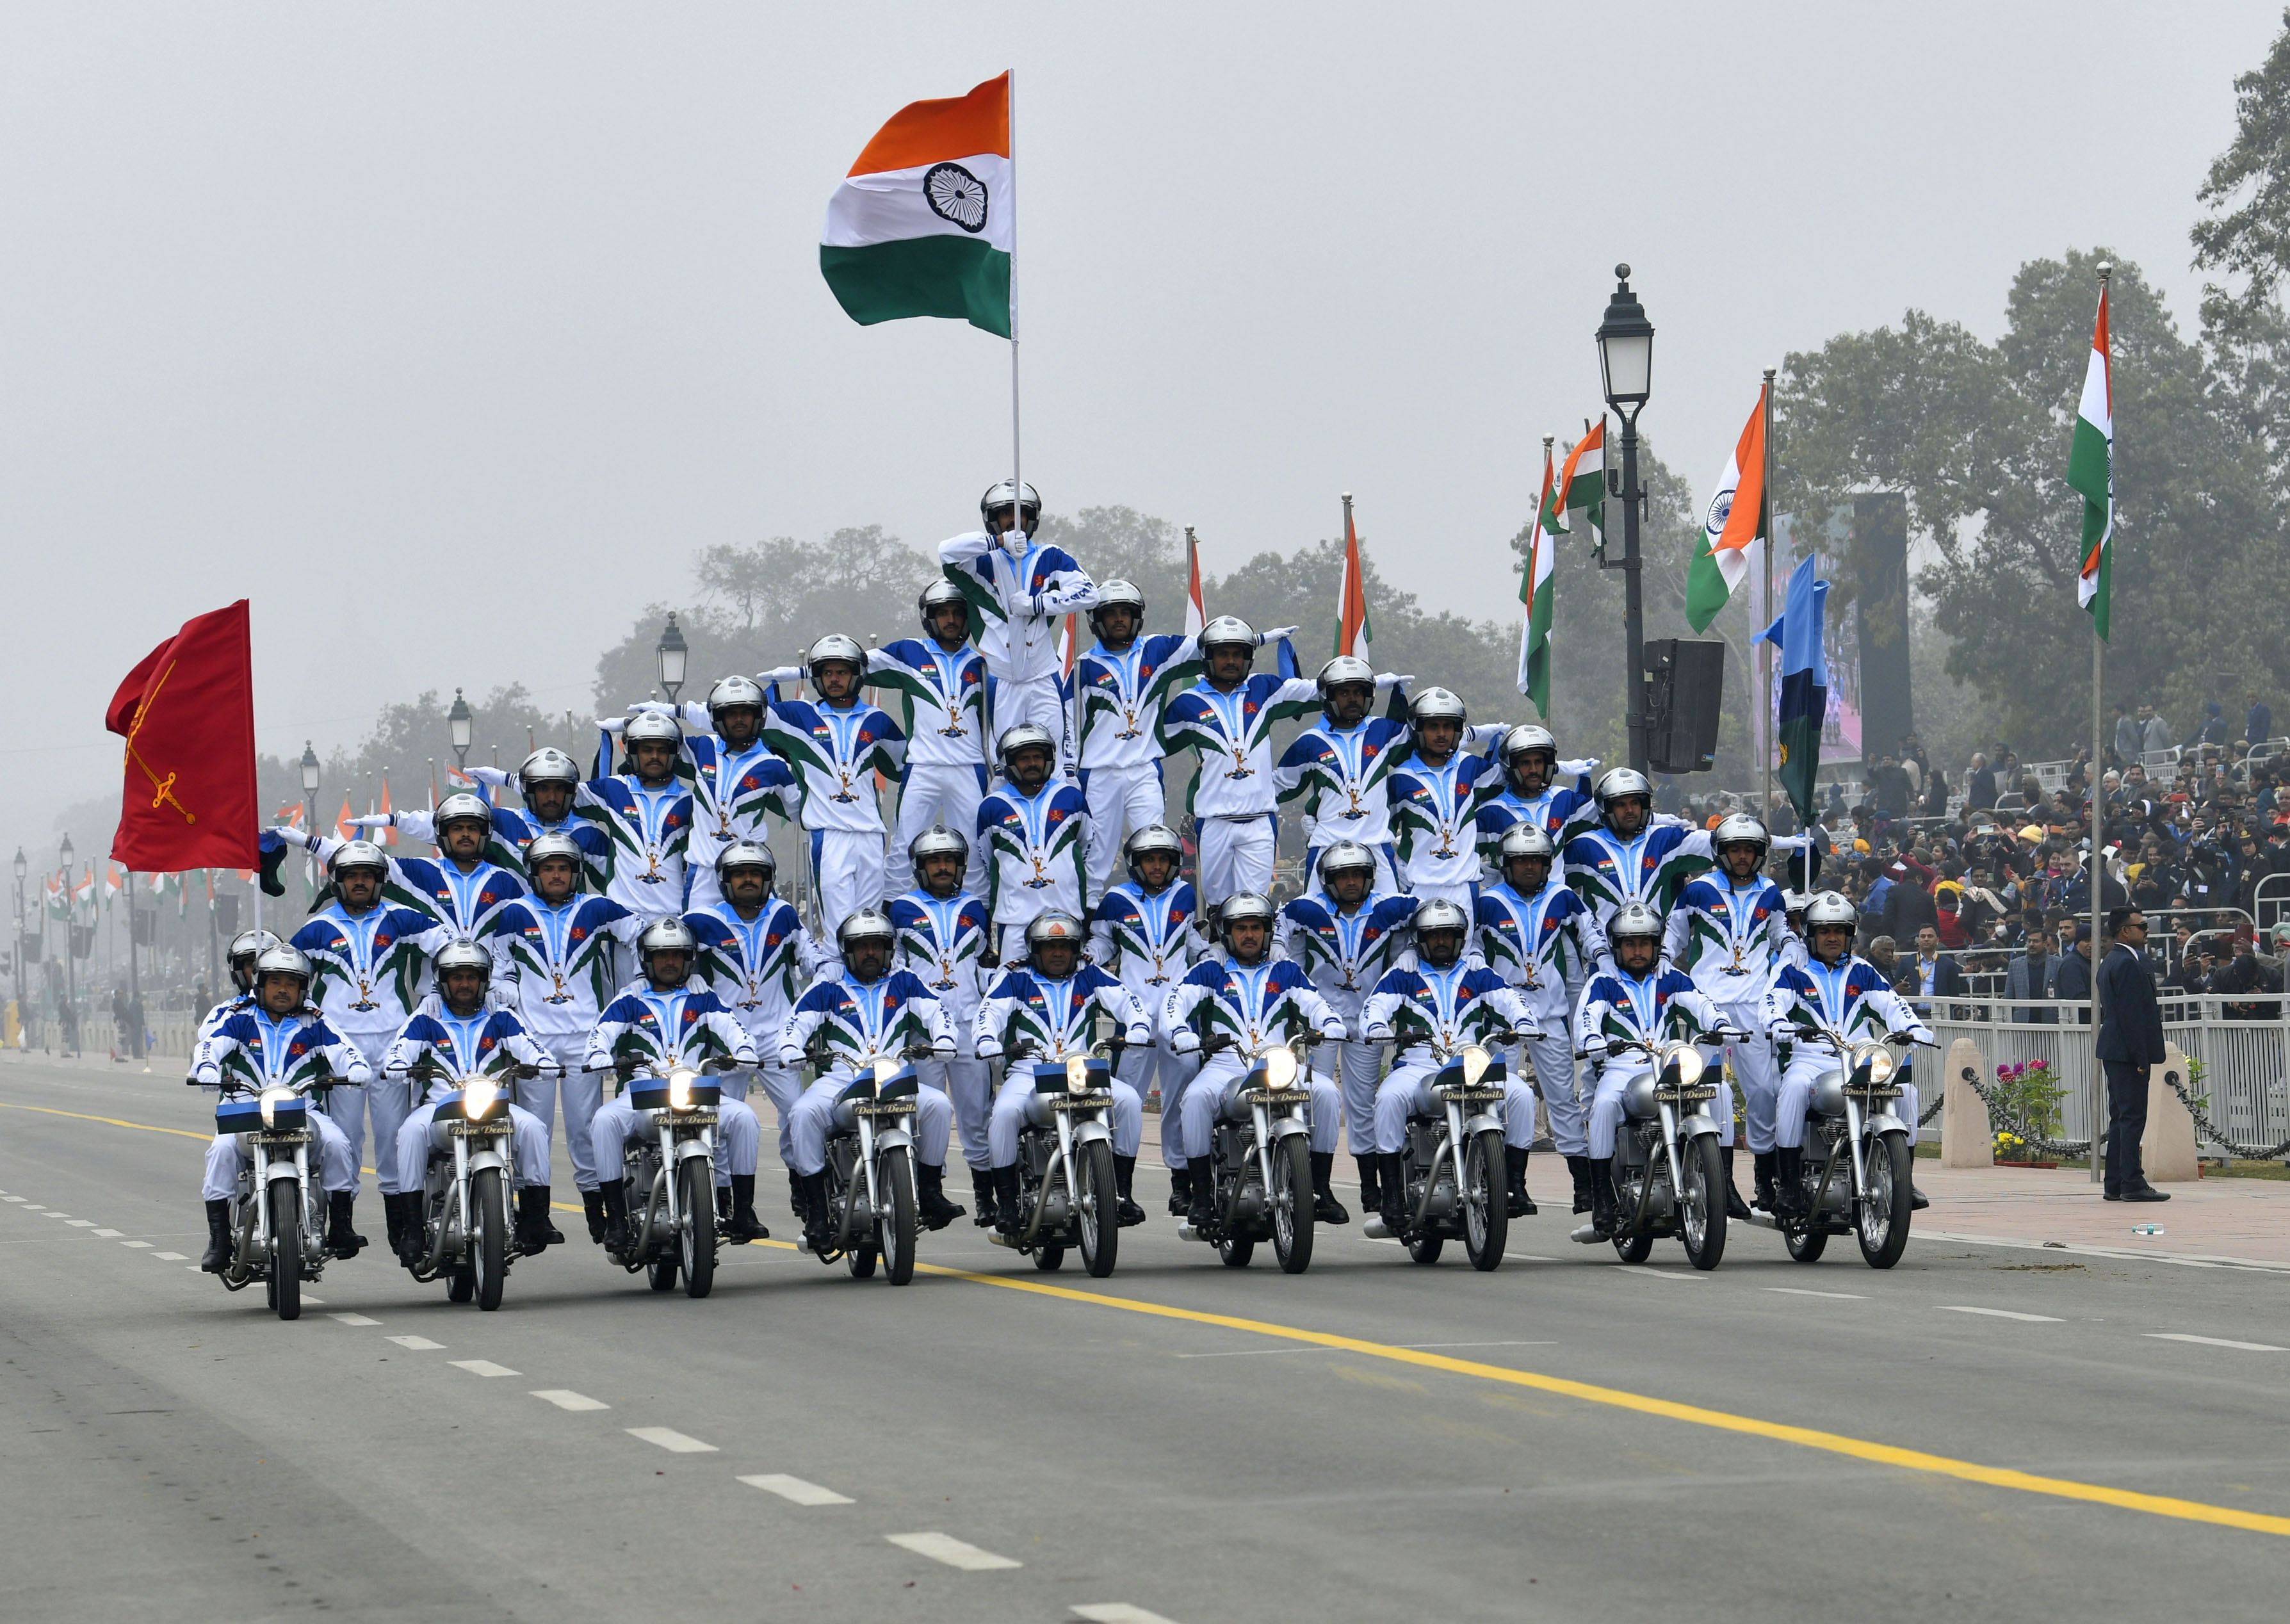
[[2247, 236]]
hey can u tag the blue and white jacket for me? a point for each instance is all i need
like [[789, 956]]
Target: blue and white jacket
[[370, 970], [1852, 997], [649, 830], [758, 967], [1728, 936], [558, 965], [1057, 1018], [862, 1023], [1435, 812], [1017, 597], [253, 1049], [1606, 871], [943, 941], [1466, 1003], [1117, 698], [1036, 851], [1257, 1005], [1560, 812], [835, 752], [1148, 939], [491, 1040], [1232, 735], [1544, 946], [1342, 775], [1660, 1006], [646, 1028], [942, 699], [1347, 955], [513, 831]]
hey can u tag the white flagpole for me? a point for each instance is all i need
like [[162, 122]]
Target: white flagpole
[[2094, 868], [1017, 476], [1765, 711]]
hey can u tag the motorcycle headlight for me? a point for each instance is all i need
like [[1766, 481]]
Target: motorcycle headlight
[[886, 1069], [1476, 1061], [1279, 1069], [272, 1099], [1076, 1074], [679, 1088], [1876, 1060], [1687, 1060], [479, 1098]]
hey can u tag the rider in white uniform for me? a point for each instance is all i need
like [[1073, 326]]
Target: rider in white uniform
[[942, 931], [941, 682], [737, 784], [1341, 768], [1035, 828], [836, 748], [1147, 932], [1227, 720], [1437, 795], [1019, 590], [1118, 689]]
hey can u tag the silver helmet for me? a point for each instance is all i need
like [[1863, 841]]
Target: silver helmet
[[359, 854], [1526, 737], [733, 691], [1793, 902], [1117, 595], [1634, 919], [1054, 925], [547, 766], [1343, 856], [1526, 840], [1023, 736], [461, 808], [1228, 628], [867, 924], [1245, 904], [1437, 704], [1735, 827], [656, 726], [1153, 837], [997, 497], [1345, 669], [1830, 908], [556, 844], [1438, 914], [834, 647], [1622, 783], [937, 841], [669, 935], [463, 954], [251, 945], [283, 958], [935, 596], [746, 855]]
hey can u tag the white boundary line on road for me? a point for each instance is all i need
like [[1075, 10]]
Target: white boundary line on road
[[2033, 1319], [2185, 1260], [796, 1489], [2212, 1341], [953, 1552]]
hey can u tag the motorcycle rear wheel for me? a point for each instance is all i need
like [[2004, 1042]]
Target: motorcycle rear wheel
[[1634, 1248], [1097, 1210], [897, 1230], [699, 1238], [1291, 1200], [286, 1291], [1235, 1253], [1486, 1201], [488, 1254], [1049, 1259], [1806, 1245], [659, 1274], [1701, 1204], [1880, 1215]]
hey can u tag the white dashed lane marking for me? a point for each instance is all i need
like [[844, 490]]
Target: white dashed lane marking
[[1118, 1612], [169, 1257], [565, 1398], [482, 1367], [672, 1441], [796, 1490], [953, 1552], [2034, 1319], [418, 1344], [85, 1223], [354, 1319], [1800, 1291], [110, 1235], [140, 1245], [2213, 1342]]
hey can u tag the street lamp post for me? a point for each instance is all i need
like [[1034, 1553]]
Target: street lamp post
[[310, 811], [1626, 365], [464, 728], [22, 866], [71, 968], [673, 652]]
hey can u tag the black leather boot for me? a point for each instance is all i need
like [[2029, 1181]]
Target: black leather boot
[[1735, 1207], [1125, 1175], [1325, 1208], [532, 1226], [1392, 1173], [1181, 1191], [412, 1244], [1762, 1164], [1604, 1218], [592, 1203], [1371, 1183], [1522, 1204], [930, 1203], [1578, 1168], [393, 1215], [1788, 1183], [744, 1226], [1009, 1217], [818, 1224], [981, 1197], [217, 1256], [613, 1193], [342, 1240], [795, 1193], [1204, 1191]]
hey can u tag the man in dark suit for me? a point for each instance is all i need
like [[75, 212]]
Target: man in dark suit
[[2027, 977], [2130, 1041]]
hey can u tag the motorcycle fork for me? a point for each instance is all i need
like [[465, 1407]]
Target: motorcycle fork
[[302, 1189], [1670, 1145], [863, 1170], [1853, 1134], [1260, 1119]]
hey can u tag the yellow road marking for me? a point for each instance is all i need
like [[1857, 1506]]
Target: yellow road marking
[[1807, 1437]]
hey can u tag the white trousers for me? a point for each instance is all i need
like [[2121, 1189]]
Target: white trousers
[[1122, 800], [386, 1100], [337, 1169], [1607, 1106], [1464, 893], [739, 1139], [1237, 855], [1010, 1115], [1752, 1059], [966, 1082], [1407, 1092], [1796, 1095], [814, 1118], [846, 871], [937, 793], [528, 1146], [583, 1092], [1035, 699], [1327, 1110], [1552, 1058], [1148, 1065], [1356, 1068]]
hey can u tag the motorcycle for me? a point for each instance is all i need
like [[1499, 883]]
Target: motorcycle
[[1066, 1182], [1870, 1191], [278, 1215], [669, 1165], [1669, 1178], [1454, 1165], [870, 1170], [464, 1214], [1259, 1161]]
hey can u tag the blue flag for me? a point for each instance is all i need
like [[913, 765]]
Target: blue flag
[[1798, 633]]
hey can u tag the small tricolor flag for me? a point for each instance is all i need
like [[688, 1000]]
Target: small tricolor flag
[[1535, 596], [2091, 470], [1196, 618], [289, 814], [344, 829], [114, 881], [1583, 484], [1736, 517], [925, 222], [1354, 635]]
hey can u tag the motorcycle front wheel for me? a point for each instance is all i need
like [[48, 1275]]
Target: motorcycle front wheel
[[1235, 1253], [1701, 1204], [1486, 1201], [698, 1237], [286, 1291], [1806, 1245], [897, 1228], [1880, 1216], [1097, 1209], [1292, 1205], [489, 1248], [1049, 1259]]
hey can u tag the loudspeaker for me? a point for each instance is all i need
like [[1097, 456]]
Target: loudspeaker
[[1686, 681]]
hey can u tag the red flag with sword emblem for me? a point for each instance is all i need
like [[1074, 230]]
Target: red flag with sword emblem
[[188, 715]]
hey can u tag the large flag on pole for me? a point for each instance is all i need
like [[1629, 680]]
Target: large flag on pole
[[1196, 616], [2091, 470], [1736, 518], [1534, 594], [925, 222], [1798, 633], [1353, 633], [1583, 484], [187, 712]]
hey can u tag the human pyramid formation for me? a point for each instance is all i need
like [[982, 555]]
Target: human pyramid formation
[[1457, 894]]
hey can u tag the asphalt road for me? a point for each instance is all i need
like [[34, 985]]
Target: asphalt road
[[1981, 1433]]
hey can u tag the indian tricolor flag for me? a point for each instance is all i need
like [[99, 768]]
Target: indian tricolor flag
[[1197, 617], [926, 221], [1535, 596], [2091, 470], [1735, 519], [1583, 484], [1354, 635]]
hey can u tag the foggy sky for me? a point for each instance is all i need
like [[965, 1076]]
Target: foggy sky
[[448, 333]]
